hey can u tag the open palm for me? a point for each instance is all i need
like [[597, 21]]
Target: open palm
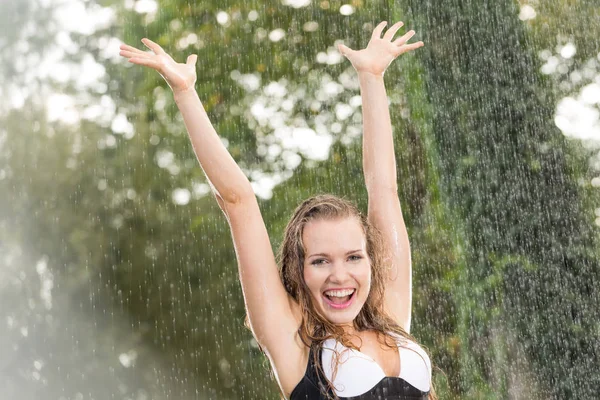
[[380, 51], [179, 76]]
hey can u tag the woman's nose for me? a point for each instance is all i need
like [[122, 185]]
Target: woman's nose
[[338, 272]]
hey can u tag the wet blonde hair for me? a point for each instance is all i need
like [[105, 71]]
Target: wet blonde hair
[[314, 328]]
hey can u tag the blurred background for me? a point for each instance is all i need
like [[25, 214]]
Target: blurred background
[[118, 277]]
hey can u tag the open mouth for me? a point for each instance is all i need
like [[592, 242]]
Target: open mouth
[[339, 302]]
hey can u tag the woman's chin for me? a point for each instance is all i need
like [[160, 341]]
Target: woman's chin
[[336, 320]]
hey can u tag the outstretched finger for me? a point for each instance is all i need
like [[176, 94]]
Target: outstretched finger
[[148, 62], [392, 31], [404, 38], [131, 54], [131, 49], [191, 60], [410, 47], [344, 50], [378, 29], [153, 46]]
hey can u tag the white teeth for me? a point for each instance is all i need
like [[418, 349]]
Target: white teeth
[[339, 293]]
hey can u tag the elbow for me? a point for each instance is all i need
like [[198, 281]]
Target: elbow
[[243, 196], [239, 197]]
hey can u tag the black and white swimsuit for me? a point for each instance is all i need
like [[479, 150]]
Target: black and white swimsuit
[[359, 377]]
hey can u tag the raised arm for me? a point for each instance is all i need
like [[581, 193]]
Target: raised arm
[[379, 163], [267, 302], [227, 180]]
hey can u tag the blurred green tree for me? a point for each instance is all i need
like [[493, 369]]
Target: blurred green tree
[[526, 304]]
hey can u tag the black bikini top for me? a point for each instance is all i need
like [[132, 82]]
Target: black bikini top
[[314, 387]]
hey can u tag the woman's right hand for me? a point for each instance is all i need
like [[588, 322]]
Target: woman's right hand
[[180, 77]]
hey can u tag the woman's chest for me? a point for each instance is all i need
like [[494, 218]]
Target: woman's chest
[[385, 357], [362, 374]]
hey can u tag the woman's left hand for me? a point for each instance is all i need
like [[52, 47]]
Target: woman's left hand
[[380, 52]]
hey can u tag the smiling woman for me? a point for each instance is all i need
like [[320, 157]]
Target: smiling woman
[[345, 279], [335, 264]]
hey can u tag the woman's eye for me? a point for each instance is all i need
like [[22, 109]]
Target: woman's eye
[[321, 261]]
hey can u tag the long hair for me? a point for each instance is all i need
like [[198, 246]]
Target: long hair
[[314, 328]]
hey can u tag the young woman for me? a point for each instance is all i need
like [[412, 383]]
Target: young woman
[[335, 320]]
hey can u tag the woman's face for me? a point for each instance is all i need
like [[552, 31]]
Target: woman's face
[[337, 269]]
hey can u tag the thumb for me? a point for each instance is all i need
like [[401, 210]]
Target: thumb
[[345, 50], [191, 60]]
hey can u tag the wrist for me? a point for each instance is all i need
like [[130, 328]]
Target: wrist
[[183, 93], [369, 77], [366, 73]]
